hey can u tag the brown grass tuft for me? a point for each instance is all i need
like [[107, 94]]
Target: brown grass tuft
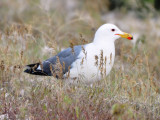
[[130, 92]]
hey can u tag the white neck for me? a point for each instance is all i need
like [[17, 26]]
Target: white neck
[[104, 43]]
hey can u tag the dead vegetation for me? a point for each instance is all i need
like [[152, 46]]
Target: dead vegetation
[[131, 91]]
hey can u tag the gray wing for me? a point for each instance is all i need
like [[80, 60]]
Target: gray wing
[[66, 57]]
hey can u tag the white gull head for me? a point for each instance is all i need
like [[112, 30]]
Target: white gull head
[[109, 33]]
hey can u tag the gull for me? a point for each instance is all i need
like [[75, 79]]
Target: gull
[[88, 63]]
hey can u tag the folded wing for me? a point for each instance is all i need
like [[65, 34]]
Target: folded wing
[[57, 65]]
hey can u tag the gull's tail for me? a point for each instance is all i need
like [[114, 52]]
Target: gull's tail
[[34, 69]]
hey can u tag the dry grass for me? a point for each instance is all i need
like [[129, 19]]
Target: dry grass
[[29, 31]]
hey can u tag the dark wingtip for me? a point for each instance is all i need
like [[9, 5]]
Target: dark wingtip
[[29, 70]]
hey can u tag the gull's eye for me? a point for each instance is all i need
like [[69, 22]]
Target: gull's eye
[[112, 30]]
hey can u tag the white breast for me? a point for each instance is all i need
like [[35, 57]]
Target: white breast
[[87, 68]]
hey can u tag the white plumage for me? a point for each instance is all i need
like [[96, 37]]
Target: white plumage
[[90, 62]]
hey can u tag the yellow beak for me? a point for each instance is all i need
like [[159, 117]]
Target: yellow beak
[[126, 35]]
